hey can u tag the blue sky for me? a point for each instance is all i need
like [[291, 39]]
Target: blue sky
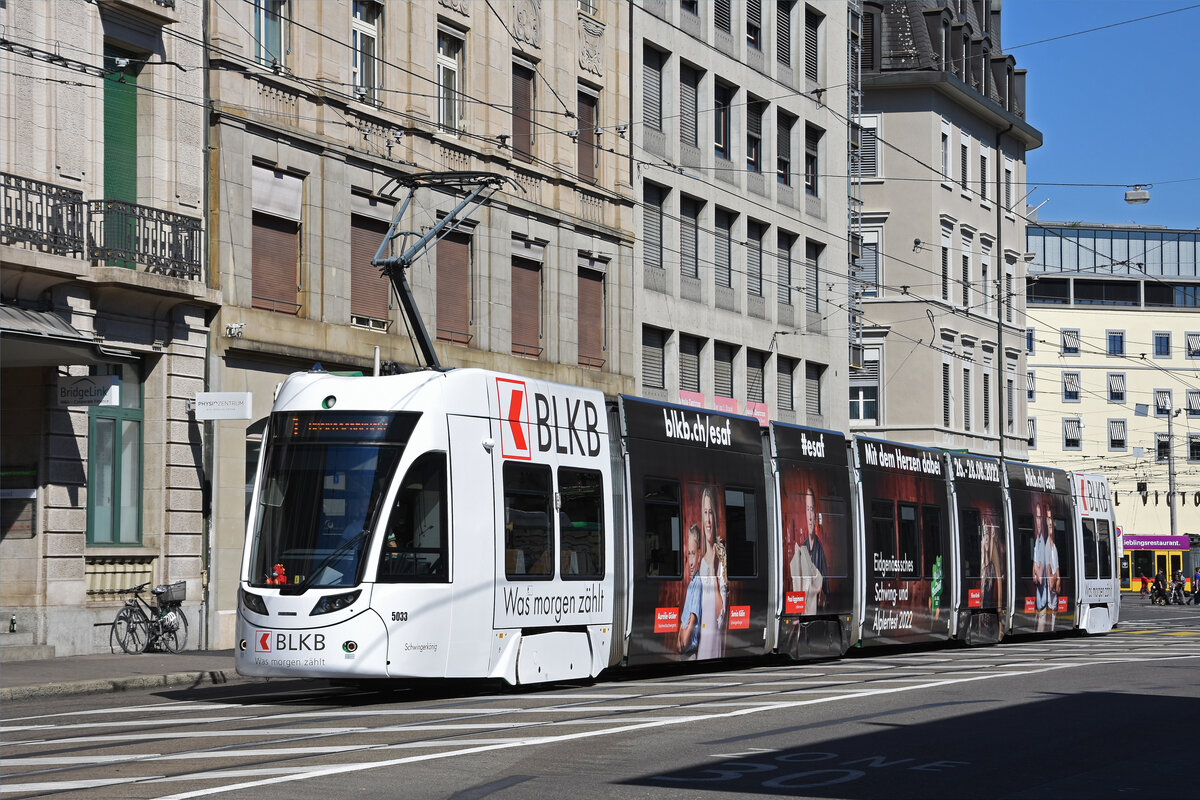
[[1120, 105]]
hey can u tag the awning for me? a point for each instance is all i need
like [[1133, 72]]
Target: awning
[[43, 339]]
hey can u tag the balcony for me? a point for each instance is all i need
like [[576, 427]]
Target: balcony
[[53, 219]]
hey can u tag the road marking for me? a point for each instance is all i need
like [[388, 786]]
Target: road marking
[[67, 761], [67, 786]]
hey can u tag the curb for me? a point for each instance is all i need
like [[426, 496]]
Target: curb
[[99, 685]]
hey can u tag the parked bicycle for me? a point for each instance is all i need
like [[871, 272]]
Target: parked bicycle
[[163, 626]]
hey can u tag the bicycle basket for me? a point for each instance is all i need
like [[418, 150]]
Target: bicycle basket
[[171, 592]]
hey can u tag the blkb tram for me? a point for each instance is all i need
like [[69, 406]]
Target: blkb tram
[[473, 524]]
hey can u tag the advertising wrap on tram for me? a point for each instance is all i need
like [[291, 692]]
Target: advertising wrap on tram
[[1044, 556]]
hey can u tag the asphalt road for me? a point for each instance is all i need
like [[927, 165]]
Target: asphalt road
[[1062, 717]]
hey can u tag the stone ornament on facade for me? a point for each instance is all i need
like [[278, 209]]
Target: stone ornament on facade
[[461, 6], [527, 21], [591, 32]]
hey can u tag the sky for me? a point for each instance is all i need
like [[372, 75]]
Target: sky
[[1119, 105]]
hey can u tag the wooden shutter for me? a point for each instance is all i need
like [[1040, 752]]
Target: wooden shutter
[[587, 136], [652, 64], [653, 374], [987, 402], [966, 388], [526, 307], [120, 128], [454, 288], [783, 32], [945, 272], [689, 364], [754, 376], [522, 112], [368, 289], [275, 264], [812, 26], [946, 395], [867, 54], [689, 88], [591, 318], [867, 155], [723, 370]]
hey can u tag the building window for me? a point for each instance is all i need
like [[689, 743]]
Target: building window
[[722, 17], [1192, 398], [586, 145], [653, 345], [722, 102], [723, 249], [783, 147], [723, 369], [689, 94], [1008, 183], [783, 32], [1010, 403], [784, 381], [812, 38], [966, 274], [945, 268], [945, 151], [591, 318], [1031, 432], [1029, 341], [1193, 345], [449, 69], [1030, 387], [755, 109], [1194, 447], [1116, 343], [966, 398], [652, 75], [690, 7], [689, 236], [812, 390], [369, 291], [1116, 387], [652, 225], [987, 403], [754, 24], [275, 240], [1070, 342], [983, 177], [868, 265], [1072, 434], [754, 252], [526, 307], [812, 163], [868, 147], [1162, 345], [1162, 448], [785, 241], [269, 31], [453, 257], [864, 389], [946, 395], [1116, 434], [523, 98], [755, 376], [689, 363], [1162, 402], [812, 279], [1070, 387], [114, 462], [365, 25], [964, 166]]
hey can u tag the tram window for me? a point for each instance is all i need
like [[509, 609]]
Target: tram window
[[1026, 538], [910, 541], [528, 539], [931, 537], [1063, 543], [741, 534], [1143, 564], [1104, 548], [663, 545], [581, 523], [883, 526], [1090, 564], [417, 538], [971, 524]]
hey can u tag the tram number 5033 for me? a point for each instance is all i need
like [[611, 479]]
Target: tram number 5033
[[399, 616]]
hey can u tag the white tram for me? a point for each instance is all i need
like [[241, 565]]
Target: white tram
[[474, 524]]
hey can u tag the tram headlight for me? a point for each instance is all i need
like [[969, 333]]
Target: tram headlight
[[335, 602], [253, 602]]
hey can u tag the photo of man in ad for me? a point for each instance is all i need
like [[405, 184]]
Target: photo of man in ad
[[690, 616]]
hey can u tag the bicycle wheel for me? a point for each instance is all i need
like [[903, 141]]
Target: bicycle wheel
[[130, 630], [176, 640]]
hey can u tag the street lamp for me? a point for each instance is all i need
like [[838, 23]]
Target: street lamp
[[1138, 194]]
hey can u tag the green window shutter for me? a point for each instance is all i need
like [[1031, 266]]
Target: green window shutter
[[120, 129]]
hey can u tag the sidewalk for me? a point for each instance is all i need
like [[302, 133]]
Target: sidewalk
[[21, 680]]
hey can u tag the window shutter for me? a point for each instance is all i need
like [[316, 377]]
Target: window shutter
[[653, 375], [1162, 401], [754, 376], [1193, 402], [689, 230], [812, 276], [652, 88], [526, 307], [783, 32], [1071, 383], [689, 363], [783, 138], [276, 263], [723, 370], [812, 25], [368, 289], [1193, 345], [987, 402], [962, 165], [1116, 384], [784, 382], [754, 248], [587, 136], [784, 269], [1116, 432], [812, 390], [966, 278], [868, 269], [967, 399], [652, 223], [722, 17], [868, 375], [591, 318], [945, 272], [1031, 431], [689, 87], [946, 395], [724, 235], [1072, 429], [522, 112], [453, 288], [868, 141], [867, 57]]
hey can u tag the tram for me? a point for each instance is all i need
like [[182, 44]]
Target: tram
[[473, 524]]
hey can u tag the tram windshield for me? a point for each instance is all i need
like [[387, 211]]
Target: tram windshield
[[325, 477]]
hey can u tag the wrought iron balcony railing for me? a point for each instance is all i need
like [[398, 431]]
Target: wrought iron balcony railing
[[128, 234], [49, 218]]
